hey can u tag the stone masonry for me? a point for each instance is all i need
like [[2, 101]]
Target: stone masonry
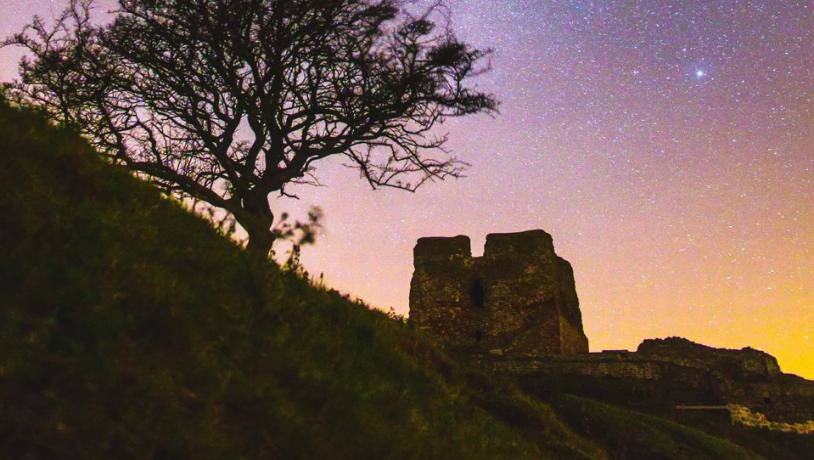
[[518, 299], [515, 312]]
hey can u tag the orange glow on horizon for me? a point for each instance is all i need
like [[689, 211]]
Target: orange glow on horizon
[[666, 146]]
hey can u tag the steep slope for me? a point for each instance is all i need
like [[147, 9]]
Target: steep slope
[[630, 434], [130, 328]]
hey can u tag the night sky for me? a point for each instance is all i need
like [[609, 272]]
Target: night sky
[[668, 147]]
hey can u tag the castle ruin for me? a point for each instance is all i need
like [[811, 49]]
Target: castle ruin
[[518, 299], [514, 312]]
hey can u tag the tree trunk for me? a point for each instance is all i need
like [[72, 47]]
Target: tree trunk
[[260, 242], [258, 222]]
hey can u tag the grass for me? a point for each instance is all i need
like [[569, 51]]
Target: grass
[[129, 328], [630, 434]]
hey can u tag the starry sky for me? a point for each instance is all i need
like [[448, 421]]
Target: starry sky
[[668, 147]]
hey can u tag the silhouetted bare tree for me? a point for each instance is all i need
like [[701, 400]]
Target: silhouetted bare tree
[[229, 101]]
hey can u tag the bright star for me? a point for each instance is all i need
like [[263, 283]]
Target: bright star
[[700, 73]]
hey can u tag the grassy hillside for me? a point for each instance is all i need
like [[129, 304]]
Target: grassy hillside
[[129, 328], [629, 434]]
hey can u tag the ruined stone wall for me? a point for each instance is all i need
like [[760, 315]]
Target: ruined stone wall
[[667, 372], [519, 298], [515, 312], [746, 364], [444, 296]]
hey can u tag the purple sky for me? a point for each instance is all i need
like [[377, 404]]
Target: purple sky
[[666, 145]]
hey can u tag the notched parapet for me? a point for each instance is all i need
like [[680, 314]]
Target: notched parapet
[[519, 298], [439, 248], [521, 244]]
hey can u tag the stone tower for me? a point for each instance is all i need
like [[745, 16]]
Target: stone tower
[[519, 298]]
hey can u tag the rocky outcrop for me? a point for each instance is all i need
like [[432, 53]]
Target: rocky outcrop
[[742, 415], [518, 299], [665, 373], [746, 364]]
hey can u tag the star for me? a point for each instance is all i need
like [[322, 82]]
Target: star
[[683, 85]]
